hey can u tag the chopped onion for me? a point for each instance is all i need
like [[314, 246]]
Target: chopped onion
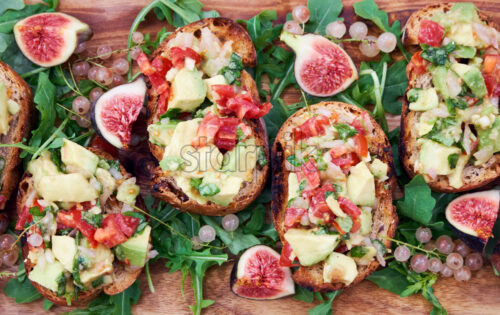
[[368, 123], [300, 202], [94, 183], [209, 44], [49, 256], [189, 64], [171, 74], [152, 254], [127, 208], [47, 219], [73, 232], [116, 174], [346, 118], [446, 41], [35, 240], [379, 256], [87, 252], [494, 100], [467, 139], [441, 112], [304, 220], [486, 34], [41, 262], [323, 111], [483, 155], [432, 173], [453, 84], [30, 199], [367, 241]]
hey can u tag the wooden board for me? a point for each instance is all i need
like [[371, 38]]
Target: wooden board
[[111, 21]]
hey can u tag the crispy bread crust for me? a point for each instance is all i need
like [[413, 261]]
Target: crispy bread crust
[[473, 177], [165, 187], [19, 129], [122, 278], [384, 216]]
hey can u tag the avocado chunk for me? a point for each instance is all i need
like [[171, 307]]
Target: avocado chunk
[[96, 262], [215, 80], [128, 191], [434, 156], [333, 204], [427, 99], [196, 162], [73, 154], [188, 90], [106, 179], [455, 178], [293, 186], [66, 188], [379, 169], [339, 268], [439, 75], [161, 133], [364, 260], [472, 77], [241, 160], [135, 249], [184, 133], [361, 185], [366, 222], [43, 166], [49, 276], [490, 136], [184, 183], [229, 187], [4, 110], [64, 249], [464, 52], [311, 248]]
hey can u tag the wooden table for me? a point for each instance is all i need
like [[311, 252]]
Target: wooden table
[[111, 21]]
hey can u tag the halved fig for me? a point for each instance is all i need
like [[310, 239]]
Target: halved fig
[[473, 215], [322, 68], [257, 275], [49, 39], [116, 110]]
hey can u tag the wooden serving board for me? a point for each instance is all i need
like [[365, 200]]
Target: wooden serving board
[[111, 20]]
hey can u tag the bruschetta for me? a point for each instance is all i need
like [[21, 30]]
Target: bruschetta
[[205, 120], [450, 123], [15, 124], [332, 195], [82, 232]]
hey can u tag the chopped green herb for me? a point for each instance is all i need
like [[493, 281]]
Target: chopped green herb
[[302, 186], [294, 160], [93, 219], [171, 113], [438, 134], [453, 103], [345, 131], [98, 282], [452, 160], [232, 72], [207, 190], [412, 95], [329, 193], [437, 55], [358, 251], [261, 158], [61, 284]]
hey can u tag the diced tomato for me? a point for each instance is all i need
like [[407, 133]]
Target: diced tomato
[[490, 63], [318, 206], [345, 161], [360, 145], [341, 249], [116, 229], [207, 130], [314, 126], [162, 104], [179, 55], [356, 225], [222, 93], [73, 219], [348, 207], [159, 83], [161, 65], [492, 84], [310, 173], [99, 143], [430, 33], [356, 124], [82, 206], [417, 65], [24, 217], [287, 256], [226, 135], [293, 216], [338, 151], [144, 64]]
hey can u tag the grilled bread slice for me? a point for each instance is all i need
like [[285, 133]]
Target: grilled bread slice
[[384, 214], [19, 128], [122, 276], [165, 186], [473, 177]]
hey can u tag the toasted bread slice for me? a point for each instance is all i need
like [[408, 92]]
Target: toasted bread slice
[[165, 186], [19, 128], [384, 215], [472, 176], [122, 277]]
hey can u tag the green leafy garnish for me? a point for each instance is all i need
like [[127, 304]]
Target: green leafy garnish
[[417, 203], [437, 55], [453, 159], [358, 251], [345, 131], [232, 72], [438, 131], [171, 113], [261, 157], [453, 103], [92, 219], [294, 160]]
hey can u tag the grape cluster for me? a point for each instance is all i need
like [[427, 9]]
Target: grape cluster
[[458, 259], [206, 234], [9, 249], [105, 76]]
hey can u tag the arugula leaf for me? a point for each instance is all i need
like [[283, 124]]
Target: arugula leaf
[[171, 113], [207, 190], [417, 203], [321, 14], [20, 288], [390, 279], [11, 4], [369, 10], [123, 301], [437, 55], [302, 294], [45, 100], [345, 131], [47, 305], [395, 87], [325, 308]]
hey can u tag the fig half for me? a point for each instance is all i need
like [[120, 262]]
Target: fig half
[[49, 39], [472, 217], [113, 113], [257, 275], [322, 68]]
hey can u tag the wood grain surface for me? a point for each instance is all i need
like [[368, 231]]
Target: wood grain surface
[[111, 20]]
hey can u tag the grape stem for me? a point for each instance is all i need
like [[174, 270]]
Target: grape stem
[[428, 252], [72, 112], [150, 281], [88, 59], [339, 40], [32, 72]]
